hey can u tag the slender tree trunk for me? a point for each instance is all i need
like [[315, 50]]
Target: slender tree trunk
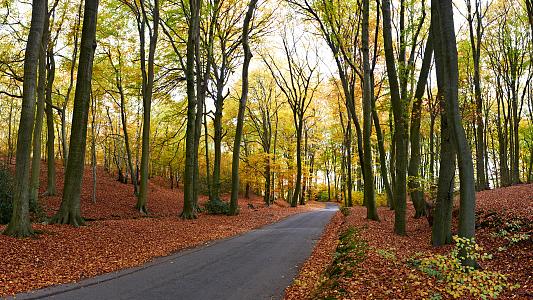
[[50, 136], [193, 40], [298, 185], [348, 179], [19, 225], [207, 171], [37, 130], [382, 156], [217, 139], [400, 124], [70, 86], [234, 207], [93, 145], [448, 74], [148, 86], [369, 193], [416, 189], [69, 212], [475, 44]]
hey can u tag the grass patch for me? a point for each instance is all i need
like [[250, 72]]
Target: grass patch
[[350, 251]]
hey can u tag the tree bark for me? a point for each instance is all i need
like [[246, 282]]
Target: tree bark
[[69, 212], [400, 124], [369, 193], [441, 233], [50, 136], [448, 75], [189, 211], [234, 208], [19, 225], [147, 89], [416, 189], [38, 128]]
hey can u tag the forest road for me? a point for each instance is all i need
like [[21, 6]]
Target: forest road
[[259, 264]]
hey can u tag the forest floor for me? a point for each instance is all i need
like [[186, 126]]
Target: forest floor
[[117, 236], [361, 259]]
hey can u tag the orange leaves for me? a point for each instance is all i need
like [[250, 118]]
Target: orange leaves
[[386, 273], [119, 238]]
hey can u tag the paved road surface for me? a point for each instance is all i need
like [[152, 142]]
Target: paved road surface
[[257, 265]]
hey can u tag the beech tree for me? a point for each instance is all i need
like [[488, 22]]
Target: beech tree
[[298, 82], [234, 209], [447, 74], [20, 225], [69, 212]]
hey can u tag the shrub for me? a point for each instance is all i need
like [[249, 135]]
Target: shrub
[[6, 195], [462, 280], [358, 196], [217, 207], [322, 196], [345, 211]]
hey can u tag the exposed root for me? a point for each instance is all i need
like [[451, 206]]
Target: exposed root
[[69, 218], [19, 230]]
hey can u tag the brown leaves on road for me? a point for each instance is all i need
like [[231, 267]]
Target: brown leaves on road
[[64, 254], [120, 237]]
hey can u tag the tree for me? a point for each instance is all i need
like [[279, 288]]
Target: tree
[[147, 73], [476, 35], [416, 189], [262, 110], [400, 124], [19, 225], [447, 73], [37, 130], [234, 209], [298, 83], [189, 211], [69, 211]]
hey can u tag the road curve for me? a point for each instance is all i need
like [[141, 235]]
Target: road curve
[[259, 264]]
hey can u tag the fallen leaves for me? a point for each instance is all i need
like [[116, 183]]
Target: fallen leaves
[[120, 237], [386, 274]]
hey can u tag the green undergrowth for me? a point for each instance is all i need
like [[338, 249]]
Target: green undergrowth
[[460, 280], [217, 207], [350, 251]]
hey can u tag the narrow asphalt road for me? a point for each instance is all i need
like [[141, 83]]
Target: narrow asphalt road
[[257, 265]]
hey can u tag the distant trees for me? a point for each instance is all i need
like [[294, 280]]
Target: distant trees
[[304, 126], [298, 81]]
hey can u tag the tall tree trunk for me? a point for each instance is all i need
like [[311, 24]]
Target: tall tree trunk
[[448, 73], [193, 41], [475, 44], [234, 207], [217, 140], [369, 193], [19, 225], [400, 124], [416, 189], [63, 110], [148, 86], [298, 184], [37, 130], [50, 136], [93, 145], [69, 212], [382, 157], [207, 166]]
